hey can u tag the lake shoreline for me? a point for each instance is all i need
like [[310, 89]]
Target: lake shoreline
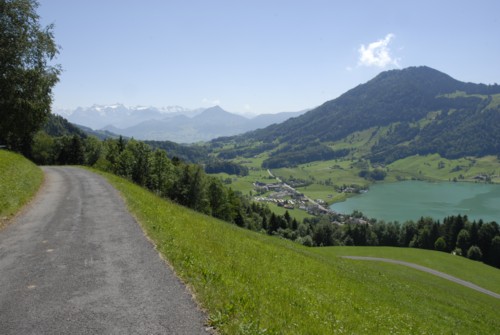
[[412, 199]]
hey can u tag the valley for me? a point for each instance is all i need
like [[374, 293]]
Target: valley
[[334, 181], [413, 124], [351, 190]]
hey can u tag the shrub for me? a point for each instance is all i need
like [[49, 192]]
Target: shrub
[[440, 244], [474, 253]]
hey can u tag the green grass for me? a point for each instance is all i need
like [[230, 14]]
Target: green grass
[[495, 101], [428, 167], [251, 283], [296, 213], [475, 272], [19, 180]]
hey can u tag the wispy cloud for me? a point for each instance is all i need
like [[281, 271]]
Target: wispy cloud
[[377, 53]]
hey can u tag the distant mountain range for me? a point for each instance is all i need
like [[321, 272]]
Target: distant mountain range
[[399, 113], [172, 123]]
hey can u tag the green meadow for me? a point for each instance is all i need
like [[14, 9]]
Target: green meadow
[[19, 181], [478, 273], [251, 283]]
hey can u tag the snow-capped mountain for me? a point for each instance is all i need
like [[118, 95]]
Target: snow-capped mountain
[[120, 116], [173, 123]]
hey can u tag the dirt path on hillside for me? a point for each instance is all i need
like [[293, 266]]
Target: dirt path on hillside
[[428, 270]]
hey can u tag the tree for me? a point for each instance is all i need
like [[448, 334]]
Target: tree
[[141, 162], [486, 233], [217, 197], [463, 241], [190, 190], [93, 150], [494, 257], [71, 151], [440, 244], [474, 253], [273, 225], [43, 148], [26, 79], [161, 176], [407, 233], [124, 164]]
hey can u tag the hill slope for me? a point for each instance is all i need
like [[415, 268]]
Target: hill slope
[[424, 110], [19, 180], [251, 283]]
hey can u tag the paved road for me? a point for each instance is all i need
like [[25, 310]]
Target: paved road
[[428, 270], [77, 263]]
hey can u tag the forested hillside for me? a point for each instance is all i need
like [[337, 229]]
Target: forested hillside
[[426, 111]]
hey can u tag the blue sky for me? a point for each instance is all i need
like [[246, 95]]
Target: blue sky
[[260, 56]]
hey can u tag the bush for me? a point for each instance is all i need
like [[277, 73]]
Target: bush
[[440, 244], [474, 253]]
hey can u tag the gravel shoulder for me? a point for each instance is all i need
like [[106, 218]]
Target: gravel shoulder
[[76, 262]]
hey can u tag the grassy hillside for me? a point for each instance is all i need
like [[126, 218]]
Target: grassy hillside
[[478, 273], [255, 284], [19, 180]]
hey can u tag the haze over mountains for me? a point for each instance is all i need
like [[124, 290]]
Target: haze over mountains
[[172, 123]]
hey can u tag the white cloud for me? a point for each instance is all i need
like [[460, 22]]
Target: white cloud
[[377, 53], [210, 102]]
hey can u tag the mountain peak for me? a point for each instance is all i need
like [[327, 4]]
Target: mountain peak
[[215, 110], [402, 95], [422, 78]]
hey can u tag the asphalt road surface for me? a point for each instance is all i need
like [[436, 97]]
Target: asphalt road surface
[[428, 270], [76, 262]]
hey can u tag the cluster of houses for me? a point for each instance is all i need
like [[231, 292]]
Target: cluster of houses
[[287, 197]]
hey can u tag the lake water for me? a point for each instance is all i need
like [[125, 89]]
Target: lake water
[[409, 200]]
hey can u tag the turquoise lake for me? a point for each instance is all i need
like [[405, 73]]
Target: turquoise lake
[[409, 200]]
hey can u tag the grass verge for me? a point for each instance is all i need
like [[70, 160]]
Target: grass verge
[[19, 181], [251, 283]]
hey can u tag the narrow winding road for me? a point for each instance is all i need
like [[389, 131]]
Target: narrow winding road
[[76, 262], [428, 270]]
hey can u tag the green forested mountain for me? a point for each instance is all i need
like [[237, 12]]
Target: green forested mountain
[[421, 110], [56, 125]]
